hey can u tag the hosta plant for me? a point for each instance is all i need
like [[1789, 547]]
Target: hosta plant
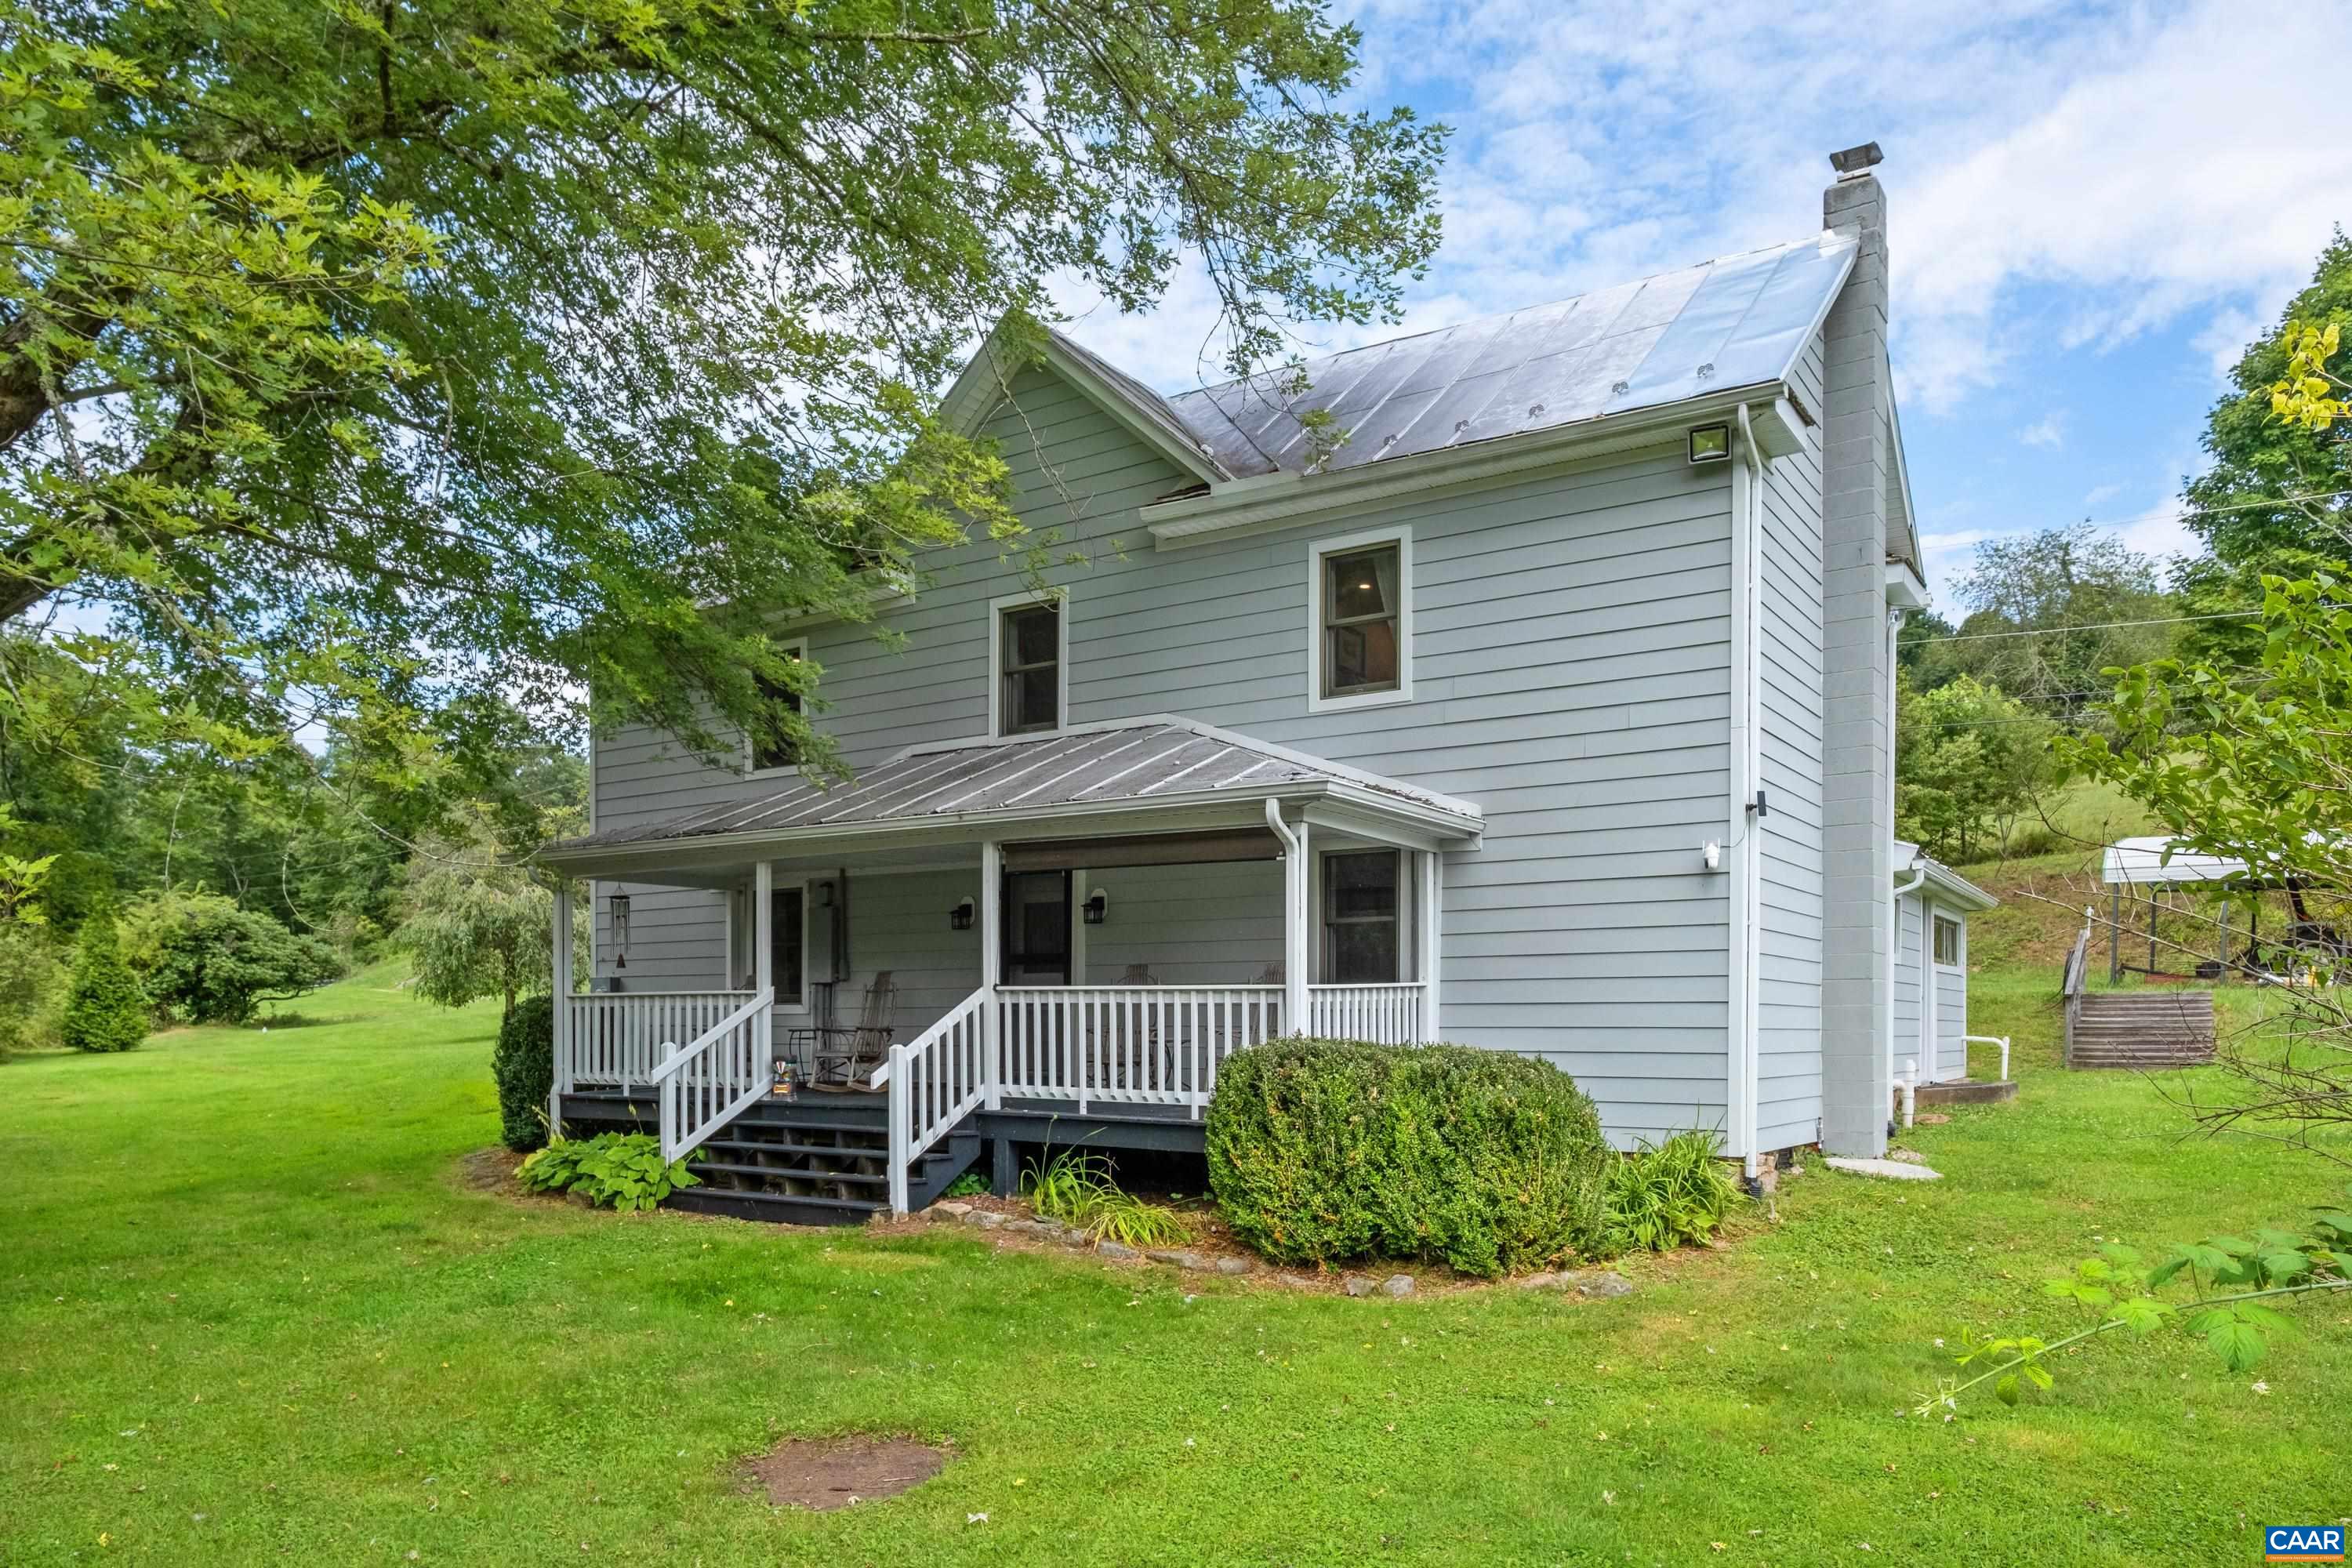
[[613, 1169]]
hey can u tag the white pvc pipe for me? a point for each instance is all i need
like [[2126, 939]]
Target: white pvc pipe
[[2000, 1040], [1910, 1088]]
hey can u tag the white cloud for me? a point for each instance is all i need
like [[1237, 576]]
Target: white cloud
[[2049, 432], [2058, 173], [2101, 494]]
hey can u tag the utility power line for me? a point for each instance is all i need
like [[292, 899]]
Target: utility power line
[[2091, 626]]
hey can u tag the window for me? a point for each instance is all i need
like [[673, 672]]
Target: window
[[774, 750], [1028, 668], [1359, 918], [1362, 600], [787, 943], [1948, 942]]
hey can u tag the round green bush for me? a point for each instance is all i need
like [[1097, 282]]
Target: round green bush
[[1325, 1151], [524, 1066], [106, 1009]]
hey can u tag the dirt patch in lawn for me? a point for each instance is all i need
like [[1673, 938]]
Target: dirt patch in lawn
[[491, 1170], [829, 1473]]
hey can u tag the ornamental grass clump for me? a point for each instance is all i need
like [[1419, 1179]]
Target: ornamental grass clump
[[1327, 1151], [1669, 1195]]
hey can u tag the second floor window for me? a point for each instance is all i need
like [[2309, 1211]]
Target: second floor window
[[774, 750], [1029, 669], [1360, 623]]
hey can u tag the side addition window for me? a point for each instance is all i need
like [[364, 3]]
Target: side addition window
[[774, 750], [1363, 620], [1359, 918], [1029, 669], [1948, 942]]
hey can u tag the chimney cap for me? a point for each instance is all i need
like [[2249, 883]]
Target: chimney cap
[[1855, 160]]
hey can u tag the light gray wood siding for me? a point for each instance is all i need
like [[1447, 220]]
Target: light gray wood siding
[[1908, 1041], [1789, 677], [1571, 675], [1186, 925]]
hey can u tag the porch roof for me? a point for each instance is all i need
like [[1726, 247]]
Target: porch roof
[[1160, 773]]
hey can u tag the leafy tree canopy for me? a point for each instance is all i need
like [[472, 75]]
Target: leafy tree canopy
[[1968, 761], [362, 355], [2074, 590], [2260, 457]]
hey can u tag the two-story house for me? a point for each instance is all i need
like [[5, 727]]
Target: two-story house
[[1550, 712]]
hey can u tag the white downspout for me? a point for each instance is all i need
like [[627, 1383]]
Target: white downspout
[[1294, 919], [1895, 944], [1748, 949]]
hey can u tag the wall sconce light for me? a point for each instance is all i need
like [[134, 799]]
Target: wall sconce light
[[1097, 907], [618, 907], [1713, 855], [960, 918], [824, 895], [1710, 444]]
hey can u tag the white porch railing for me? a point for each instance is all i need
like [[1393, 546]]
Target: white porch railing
[[716, 1077], [934, 1081], [618, 1037], [1384, 1015], [1133, 1045]]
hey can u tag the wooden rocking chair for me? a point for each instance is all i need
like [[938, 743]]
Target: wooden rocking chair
[[842, 1056]]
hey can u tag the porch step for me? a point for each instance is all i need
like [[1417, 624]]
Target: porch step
[[776, 1208]]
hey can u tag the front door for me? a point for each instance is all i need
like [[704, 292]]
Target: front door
[[1037, 928]]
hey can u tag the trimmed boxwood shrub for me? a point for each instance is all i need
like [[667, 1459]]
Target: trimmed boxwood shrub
[[524, 1065], [1324, 1151]]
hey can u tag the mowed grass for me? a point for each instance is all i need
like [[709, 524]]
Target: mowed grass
[[250, 1311]]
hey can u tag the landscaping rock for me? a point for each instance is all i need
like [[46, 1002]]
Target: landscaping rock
[[1398, 1285], [947, 1213], [987, 1219], [1599, 1284], [1233, 1265], [1895, 1169], [1358, 1284], [1114, 1249], [1908, 1156], [1547, 1280], [1075, 1236], [1181, 1260], [1034, 1227]]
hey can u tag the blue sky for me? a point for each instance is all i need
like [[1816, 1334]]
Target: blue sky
[[2091, 207]]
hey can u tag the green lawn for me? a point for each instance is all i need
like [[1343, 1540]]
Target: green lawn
[[252, 1312]]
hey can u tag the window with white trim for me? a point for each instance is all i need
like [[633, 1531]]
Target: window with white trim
[[1028, 669], [769, 751], [1361, 619], [1360, 924], [1948, 941]]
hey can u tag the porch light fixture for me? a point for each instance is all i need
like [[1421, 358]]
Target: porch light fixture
[[619, 908], [1097, 906], [1710, 444], [960, 918]]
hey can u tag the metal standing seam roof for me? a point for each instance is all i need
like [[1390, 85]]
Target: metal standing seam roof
[[1142, 761], [1739, 320]]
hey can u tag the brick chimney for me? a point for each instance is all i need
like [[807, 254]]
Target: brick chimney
[[1858, 809]]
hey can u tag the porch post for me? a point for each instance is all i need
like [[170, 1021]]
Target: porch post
[[1295, 887], [560, 986], [1432, 892], [763, 917], [991, 967]]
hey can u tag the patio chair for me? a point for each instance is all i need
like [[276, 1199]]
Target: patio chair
[[842, 1056]]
